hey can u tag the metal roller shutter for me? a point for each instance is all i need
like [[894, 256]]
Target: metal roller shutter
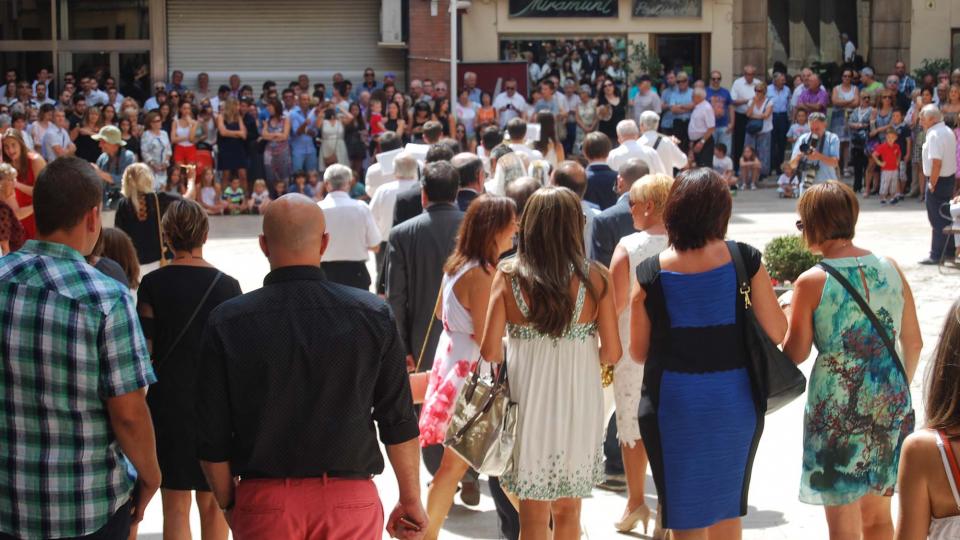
[[277, 40]]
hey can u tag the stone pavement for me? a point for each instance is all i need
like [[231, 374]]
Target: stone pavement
[[900, 232]]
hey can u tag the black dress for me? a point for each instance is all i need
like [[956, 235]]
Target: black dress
[[87, 148], [618, 113], [174, 292], [232, 150], [145, 233]]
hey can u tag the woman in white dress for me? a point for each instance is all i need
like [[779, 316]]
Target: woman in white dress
[[553, 303], [648, 196], [333, 148], [487, 231]]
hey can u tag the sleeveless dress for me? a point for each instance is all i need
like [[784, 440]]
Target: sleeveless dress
[[457, 355], [858, 408], [700, 420], [29, 223], [333, 144], [231, 151], [588, 113], [838, 122], [947, 528], [628, 374], [556, 385], [276, 157]]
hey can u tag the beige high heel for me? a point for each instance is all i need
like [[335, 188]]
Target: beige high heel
[[659, 533], [641, 514]]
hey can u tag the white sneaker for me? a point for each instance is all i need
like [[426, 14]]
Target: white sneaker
[[753, 187]]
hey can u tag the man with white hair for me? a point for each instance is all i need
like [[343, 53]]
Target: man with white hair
[[405, 172], [352, 231], [670, 154], [630, 148], [703, 122], [470, 85], [939, 161]]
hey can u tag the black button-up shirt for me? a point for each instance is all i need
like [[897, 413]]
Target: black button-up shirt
[[293, 376]]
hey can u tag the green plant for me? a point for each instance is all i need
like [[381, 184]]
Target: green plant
[[641, 61], [786, 257], [931, 66]]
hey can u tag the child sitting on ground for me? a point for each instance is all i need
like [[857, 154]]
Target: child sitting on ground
[[787, 183], [209, 194], [235, 197], [749, 168], [280, 188], [798, 128], [299, 184], [723, 165], [260, 198], [887, 156]]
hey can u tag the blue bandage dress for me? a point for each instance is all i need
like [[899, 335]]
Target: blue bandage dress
[[699, 416]]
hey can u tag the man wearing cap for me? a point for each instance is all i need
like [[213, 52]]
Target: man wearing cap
[[113, 160]]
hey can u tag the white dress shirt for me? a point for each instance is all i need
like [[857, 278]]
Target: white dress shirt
[[740, 90], [375, 178], [633, 149], [350, 226], [940, 143], [670, 154], [384, 201], [701, 120], [517, 103]]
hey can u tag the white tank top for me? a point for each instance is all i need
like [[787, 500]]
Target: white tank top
[[946, 528], [183, 132]]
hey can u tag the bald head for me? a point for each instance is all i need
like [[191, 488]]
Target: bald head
[[294, 232]]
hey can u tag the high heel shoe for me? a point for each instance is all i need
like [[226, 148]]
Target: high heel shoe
[[629, 523], [659, 533]]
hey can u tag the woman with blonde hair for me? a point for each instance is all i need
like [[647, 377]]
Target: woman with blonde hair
[[139, 212], [648, 197], [557, 309], [28, 165], [173, 303], [232, 145], [12, 234]]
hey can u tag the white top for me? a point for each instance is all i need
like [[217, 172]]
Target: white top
[[466, 115], [384, 201], [531, 153], [767, 122], [849, 51], [375, 178], [634, 149], [701, 119], [670, 154], [722, 165], [351, 228], [741, 89], [517, 105], [946, 527], [940, 144]]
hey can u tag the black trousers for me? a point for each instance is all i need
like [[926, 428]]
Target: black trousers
[[859, 161], [352, 273], [704, 158], [117, 527], [938, 213], [680, 131], [739, 132]]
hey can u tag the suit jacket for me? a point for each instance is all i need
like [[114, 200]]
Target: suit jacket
[[416, 252], [408, 205], [601, 185], [465, 197], [609, 227]]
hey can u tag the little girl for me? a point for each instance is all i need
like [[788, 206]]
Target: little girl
[[798, 128], [209, 195], [376, 123], [749, 168], [175, 183], [260, 198]]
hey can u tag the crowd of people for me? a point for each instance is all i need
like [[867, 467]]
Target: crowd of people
[[593, 244]]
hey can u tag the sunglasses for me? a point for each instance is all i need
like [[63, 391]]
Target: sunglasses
[[714, 78], [799, 225]]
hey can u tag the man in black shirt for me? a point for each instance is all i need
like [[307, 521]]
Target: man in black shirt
[[295, 375]]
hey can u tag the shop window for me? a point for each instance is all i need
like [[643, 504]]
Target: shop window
[[114, 19], [25, 19]]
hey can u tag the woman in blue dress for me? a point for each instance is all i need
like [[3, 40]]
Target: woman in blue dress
[[699, 416], [858, 401]]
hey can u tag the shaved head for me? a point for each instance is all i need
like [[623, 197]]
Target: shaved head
[[294, 232]]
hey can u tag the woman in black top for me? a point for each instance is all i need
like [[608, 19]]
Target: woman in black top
[[87, 148], [174, 303], [441, 113], [617, 107], [137, 211], [421, 115], [126, 132]]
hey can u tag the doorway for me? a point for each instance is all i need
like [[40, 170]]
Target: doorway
[[684, 52]]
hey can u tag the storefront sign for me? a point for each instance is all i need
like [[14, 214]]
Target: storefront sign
[[667, 8], [563, 8]]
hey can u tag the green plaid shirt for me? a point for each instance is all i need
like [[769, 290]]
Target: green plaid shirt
[[69, 339]]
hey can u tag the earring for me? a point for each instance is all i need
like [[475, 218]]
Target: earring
[[645, 214]]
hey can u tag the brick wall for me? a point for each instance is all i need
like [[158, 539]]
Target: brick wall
[[429, 41]]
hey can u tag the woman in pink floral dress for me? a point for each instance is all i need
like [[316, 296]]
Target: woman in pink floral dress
[[486, 232]]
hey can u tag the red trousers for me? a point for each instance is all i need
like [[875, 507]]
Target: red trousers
[[308, 509]]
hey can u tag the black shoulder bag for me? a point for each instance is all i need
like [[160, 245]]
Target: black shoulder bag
[[777, 379], [196, 311], [858, 298]]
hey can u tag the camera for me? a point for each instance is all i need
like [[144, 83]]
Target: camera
[[810, 144]]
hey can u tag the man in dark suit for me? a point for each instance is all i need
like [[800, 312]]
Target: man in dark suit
[[470, 169], [616, 222], [408, 203], [601, 179]]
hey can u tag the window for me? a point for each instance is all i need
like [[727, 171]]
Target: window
[[955, 47], [112, 19], [25, 19]]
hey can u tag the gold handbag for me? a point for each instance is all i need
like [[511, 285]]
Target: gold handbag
[[484, 423]]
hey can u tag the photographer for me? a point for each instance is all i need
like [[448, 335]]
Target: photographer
[[816, 155], [509, 103]]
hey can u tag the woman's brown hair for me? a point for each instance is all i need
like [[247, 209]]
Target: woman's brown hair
[[828, 211], [486, 217], [548, 132], [116, 245], [185, 225], [943, 390], [697, 210], [24, 161], [549, 253]]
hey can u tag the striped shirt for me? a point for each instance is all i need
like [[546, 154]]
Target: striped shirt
[[69, 339]]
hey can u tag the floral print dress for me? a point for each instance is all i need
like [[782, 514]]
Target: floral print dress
[[457, 356], [858, 401]]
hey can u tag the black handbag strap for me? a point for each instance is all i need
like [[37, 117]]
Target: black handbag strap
[[743, 281], [858, 298], [196, 312], [656, 143]]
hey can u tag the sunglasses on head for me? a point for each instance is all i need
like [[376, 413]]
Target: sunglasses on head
[[799, 225]]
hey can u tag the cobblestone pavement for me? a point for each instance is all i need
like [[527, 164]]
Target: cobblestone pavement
[[900, 232]]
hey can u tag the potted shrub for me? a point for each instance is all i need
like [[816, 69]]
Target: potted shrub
[[786, 257]]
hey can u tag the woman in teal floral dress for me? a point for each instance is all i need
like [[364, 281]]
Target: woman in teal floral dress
[[858, 401]]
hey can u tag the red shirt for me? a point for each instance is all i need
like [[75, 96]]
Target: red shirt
[[375, 120], [889, 154]]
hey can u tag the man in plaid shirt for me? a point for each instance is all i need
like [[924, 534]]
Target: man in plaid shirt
[[73, 378]]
